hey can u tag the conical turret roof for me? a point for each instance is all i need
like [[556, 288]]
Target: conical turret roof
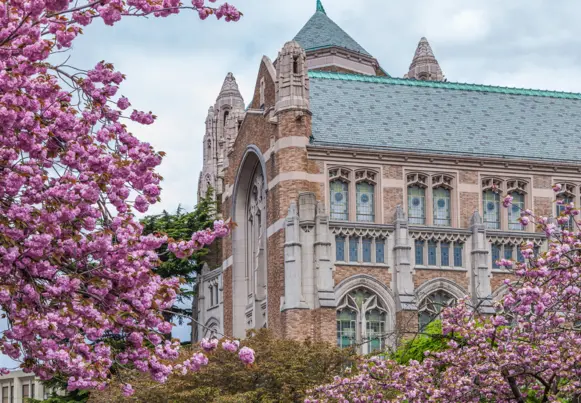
[[230, 87], [321, 32], [424, 65]]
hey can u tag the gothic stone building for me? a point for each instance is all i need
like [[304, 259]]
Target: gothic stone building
[[364, 202]]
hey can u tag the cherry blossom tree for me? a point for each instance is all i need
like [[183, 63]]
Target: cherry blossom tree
[[528, 350], [75, 268]]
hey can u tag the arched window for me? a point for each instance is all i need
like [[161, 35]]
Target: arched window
[[431, 306], [491, 202], [417, 184], [362, 321], [339, 194], [517, 189], [565, 197], [226, 117], [442, 207], [365, 196]]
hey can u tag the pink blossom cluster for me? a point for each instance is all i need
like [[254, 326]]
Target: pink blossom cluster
[[76, 268], [200, 239], [529, 349]]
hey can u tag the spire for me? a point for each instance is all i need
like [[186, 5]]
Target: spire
[[230, 87], [424, 65], [320, 7]]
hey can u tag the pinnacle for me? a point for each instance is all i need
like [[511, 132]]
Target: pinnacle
[[320, 7], [230, 87], [424, 65]]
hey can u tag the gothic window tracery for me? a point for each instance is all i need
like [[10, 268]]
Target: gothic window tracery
[[566, 196], [491, 189], [339, 194], [441, 191], [431, 306], [417, 184], [365, 195], [362, 321], [517, 189]]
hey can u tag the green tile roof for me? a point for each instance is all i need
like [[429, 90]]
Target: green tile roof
[[321, 32], [446, 118]]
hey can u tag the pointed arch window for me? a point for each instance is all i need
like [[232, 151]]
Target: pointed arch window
[[431, 306], [565, 197], [417, 184], [365, 195], [491, 203], [517, 189], [339, 194], [362, 321]]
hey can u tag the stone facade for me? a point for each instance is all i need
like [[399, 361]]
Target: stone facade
[[328, 245]]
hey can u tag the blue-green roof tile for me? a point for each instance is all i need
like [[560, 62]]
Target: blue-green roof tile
[[446, 118]]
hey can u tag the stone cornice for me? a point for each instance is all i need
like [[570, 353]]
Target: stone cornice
[[432, 160], [342, 52]]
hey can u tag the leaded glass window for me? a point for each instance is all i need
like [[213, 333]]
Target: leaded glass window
[[441, 201], [416, 205], [379, 250], [508, 250], [346, 327], [419, 247], [365, 202], [431, 306], [432, 248], [339, 200], [458, 254], [361, 320], [514, 210], [495, 256], [366, 248], [491, 208], [519, 256], [445, 253], [340, 248], [564, 200], [353, 249]]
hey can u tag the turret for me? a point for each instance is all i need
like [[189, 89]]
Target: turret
[[424, 65], [292, 90]]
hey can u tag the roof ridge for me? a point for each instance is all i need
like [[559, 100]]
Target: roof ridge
[[442, 84]]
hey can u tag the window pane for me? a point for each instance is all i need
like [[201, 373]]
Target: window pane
[[416, 205], [432, 246], [419, 252], [431, 306], [340, 248], [339, 200], [375, 330], [365, 202], [561, 209], [442, 207], [491, 208], [366, 250], [495, 256], [353, 249], [518, 205], [5, 394], [346, 328], [519, 257], [25, 391], [445, 251], [379, 250], [458, 255], [508, 252]]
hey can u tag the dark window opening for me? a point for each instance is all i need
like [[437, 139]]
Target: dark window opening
[[296, 65], [225, 117]]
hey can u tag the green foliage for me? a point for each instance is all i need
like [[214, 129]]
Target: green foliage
[[431, 339], [77, 396], [283, 371]]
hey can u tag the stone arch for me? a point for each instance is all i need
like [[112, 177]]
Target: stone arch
[[383, 293], [249, 291], [211, 328], [437, 284]]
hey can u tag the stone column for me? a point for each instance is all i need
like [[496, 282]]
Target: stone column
[[323, 262], [293, 298], [480, 277], [402, 281]]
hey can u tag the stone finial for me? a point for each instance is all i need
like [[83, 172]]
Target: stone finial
[[476, 219], [399, 213], [229, 87], [424, 65], [292, 210], [320, 7], [205, 269]]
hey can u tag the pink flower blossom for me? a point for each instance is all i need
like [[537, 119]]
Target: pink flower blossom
[[231, 346], [209, 345], [246, 355]]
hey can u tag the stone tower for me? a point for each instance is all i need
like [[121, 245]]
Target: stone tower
[[222, 124], [292, 91], [424, 65]]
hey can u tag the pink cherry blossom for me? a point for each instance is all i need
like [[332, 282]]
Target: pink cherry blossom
[[231, 346], [246, 355]]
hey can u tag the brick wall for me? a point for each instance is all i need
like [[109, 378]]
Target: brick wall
[[468, 205], [275, 280], [423, 275], [380, 273], [543, 206], [497, 280], [470, 177], [406, 325], [393, 172], [542, 182], [392, 197], [227, 296]]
